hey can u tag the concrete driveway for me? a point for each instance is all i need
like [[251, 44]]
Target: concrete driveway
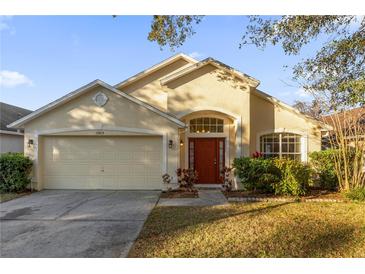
[[71, 223]]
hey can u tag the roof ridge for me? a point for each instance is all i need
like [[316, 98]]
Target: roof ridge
[[154, 67], [218, 64]]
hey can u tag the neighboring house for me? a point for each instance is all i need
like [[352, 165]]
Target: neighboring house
[[343, 121], [178, 113], [11, 140]]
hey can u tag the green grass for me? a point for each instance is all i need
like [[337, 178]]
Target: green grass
[[254, 230], [4, 197]]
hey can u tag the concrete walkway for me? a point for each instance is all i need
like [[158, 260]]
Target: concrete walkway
[[207, 197]]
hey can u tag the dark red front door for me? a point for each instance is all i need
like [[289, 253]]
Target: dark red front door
[[206, 156]]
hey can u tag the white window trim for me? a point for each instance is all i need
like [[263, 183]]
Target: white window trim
[[209, 117], [303, 140]]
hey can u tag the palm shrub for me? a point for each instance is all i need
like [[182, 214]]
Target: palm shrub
[[15, 170], [256, 174]]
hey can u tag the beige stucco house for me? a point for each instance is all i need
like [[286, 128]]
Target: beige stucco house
[[178, 113]]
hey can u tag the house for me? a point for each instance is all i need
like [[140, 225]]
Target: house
[[178, 113], [11, 140], [351, 122]]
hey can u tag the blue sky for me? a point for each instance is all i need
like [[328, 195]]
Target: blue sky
[[44, 57]]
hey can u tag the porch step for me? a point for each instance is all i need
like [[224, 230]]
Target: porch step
[[208, 186]]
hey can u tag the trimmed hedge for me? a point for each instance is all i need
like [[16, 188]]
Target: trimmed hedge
[[295, 177], [324, 165], [15, 171], [257, 174], [279, 176]]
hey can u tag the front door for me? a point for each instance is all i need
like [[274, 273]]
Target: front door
[[206, 156]]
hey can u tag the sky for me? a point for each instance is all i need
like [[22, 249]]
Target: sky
[[45, 57]]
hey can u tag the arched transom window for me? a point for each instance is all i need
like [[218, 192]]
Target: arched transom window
[[206, 125], [281, 145]]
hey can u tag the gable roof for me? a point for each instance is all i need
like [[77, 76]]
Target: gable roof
[[251, 80], [211, 61], [68, 97], [355, 114], [9, 114], [154, 68]]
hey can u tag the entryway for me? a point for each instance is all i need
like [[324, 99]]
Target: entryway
[[206, 156]]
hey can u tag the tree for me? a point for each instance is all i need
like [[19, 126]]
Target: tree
[[172, 30], [347, 138], [312, 109], [336, 72]]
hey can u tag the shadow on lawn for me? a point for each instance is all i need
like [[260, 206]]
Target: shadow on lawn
[[299, 234]]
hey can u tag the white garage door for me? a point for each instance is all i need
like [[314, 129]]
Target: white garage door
[[102, 162]]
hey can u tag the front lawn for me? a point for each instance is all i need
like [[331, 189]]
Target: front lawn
[[255, 230]]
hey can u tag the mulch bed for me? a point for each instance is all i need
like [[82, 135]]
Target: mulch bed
[[179, 193], [312, 195]]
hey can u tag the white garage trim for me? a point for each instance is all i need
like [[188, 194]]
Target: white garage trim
[[137, 131], [119, 129], [102, 162]]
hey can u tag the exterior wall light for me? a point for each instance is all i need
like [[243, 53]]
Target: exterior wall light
[[30, 142], [181, 143], [170, 143]]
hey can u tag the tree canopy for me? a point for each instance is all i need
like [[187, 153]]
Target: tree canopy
[[335, 73], [172, 30]]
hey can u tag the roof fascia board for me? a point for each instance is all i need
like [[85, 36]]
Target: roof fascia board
[[209, 61], [83, 89], [154, 68], [141, 103], [52, 105]]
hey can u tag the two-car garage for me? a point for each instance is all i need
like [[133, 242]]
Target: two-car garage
[[102, 162], [98, 137]]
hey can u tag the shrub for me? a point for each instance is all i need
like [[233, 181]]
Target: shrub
[[323, 163], [166, 178], [295, 177], [257, 174], [15, 171], [356, 194], [227, 179], [186, 178]]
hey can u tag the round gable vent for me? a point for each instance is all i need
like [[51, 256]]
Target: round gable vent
[[100, 99]]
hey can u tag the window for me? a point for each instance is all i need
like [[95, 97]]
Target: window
[[191, 154], [221, 156], [206, 125], [281, 145]]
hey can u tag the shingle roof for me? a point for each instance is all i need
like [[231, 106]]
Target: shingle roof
[[9, 114], [355, 113]]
